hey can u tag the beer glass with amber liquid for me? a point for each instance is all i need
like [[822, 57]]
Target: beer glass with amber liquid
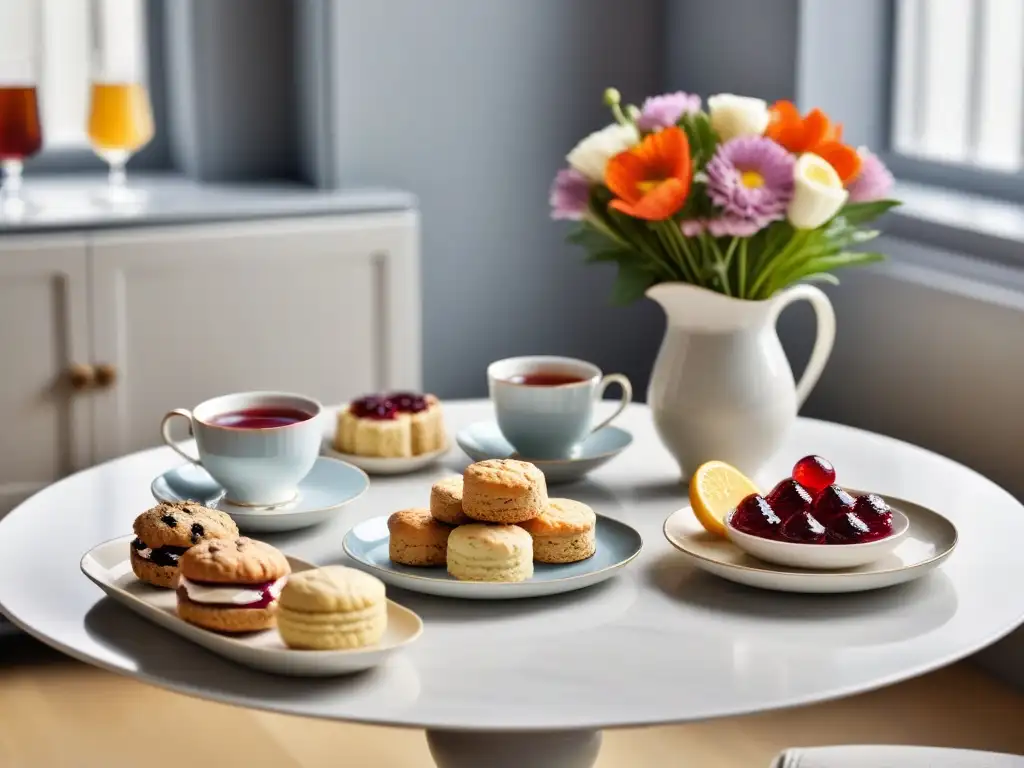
[[21, 135], [120, 114]]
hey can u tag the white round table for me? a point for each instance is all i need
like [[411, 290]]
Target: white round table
[[532, 682]]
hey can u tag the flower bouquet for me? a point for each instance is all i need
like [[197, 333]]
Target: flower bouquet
[[742, 199]]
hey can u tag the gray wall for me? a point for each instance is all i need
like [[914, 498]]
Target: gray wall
[[472, 106]]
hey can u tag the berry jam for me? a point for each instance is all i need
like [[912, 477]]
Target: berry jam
[[803, 528], [753, 515], [408, 402], [814, 473], [831, 504], [167, 556], [374, 407], [266, 596], [875, 513], [789, 498], [849, 529]]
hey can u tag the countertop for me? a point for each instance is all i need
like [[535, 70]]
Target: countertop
[[75, 202]]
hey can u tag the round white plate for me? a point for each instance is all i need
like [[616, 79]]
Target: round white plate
[[376, 465], [483, 440], [617, 545], [108, 565], [928, 543], [328, 487]]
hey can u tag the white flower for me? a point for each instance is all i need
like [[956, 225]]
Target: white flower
[[733, 116], [591, 155], [818, 193]]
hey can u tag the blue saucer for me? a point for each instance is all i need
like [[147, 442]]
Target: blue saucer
[[483, 440], [617, 545], [330, 485]]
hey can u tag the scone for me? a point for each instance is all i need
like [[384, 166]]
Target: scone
[[446, 501], [563, 533], [332, 608], [398, 425], [503, 491], [165, 532], [231, 585], [490, 553], [416, 538]]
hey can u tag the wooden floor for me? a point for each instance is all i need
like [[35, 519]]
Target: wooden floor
[[55, 712]]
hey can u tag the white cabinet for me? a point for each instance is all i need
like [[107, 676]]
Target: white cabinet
[[326, 306], [45, 432]]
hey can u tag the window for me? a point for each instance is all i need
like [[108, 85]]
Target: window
[[959, 87]]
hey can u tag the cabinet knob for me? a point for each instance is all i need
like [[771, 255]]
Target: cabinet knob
[[106, 375], [81, 376]]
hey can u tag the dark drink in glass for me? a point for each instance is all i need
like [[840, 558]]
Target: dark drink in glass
[[21, 135]]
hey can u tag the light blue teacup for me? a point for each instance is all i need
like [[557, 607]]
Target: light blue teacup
[[258, 445], [545, 405]]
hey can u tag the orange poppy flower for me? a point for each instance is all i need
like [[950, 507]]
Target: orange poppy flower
[[652, 179], [813, 133]]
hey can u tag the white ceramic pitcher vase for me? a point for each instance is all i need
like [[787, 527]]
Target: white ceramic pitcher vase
[[722, 387]]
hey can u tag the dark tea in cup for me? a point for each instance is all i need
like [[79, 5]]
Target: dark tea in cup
[[260, 418], [544, 379]]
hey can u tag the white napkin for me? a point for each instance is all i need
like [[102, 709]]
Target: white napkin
[[893, 757]]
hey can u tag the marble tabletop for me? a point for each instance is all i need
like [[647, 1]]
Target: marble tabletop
[[660, 643]]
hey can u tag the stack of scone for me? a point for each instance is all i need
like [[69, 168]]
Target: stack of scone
[[491, 524]]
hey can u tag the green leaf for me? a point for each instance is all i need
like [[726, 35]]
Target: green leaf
[[828, 263], [860, 213], [592, 239], [822, 277], [631, 283], [702, 137]]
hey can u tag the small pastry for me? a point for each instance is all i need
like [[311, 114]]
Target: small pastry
[[503, 491], [165, 532], [446, 501], [490, 553], [398, 425], [416, 538], [332, 608], [231, 585], [563, 533]]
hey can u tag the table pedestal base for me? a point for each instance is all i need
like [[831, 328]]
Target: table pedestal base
[[497, 749]]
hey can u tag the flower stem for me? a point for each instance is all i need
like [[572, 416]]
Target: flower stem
[[742, 271], [665, 237], [777, 262], [684, 248], [721, 266]]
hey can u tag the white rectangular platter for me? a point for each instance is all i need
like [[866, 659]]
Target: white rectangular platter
[[108, 565]]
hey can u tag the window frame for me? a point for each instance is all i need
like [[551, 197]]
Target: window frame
[[155, 156], [1008, 186]]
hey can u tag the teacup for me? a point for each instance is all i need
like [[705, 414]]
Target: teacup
[[545, 405], [258, 445]]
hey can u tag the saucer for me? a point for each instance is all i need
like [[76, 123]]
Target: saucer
[[330, 485], [483, 440], [617, 545], [929, 541]]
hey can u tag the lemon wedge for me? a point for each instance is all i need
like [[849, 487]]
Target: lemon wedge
[[715, 489]]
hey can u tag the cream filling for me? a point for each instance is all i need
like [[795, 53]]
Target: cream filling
[[145, 554], [227, 594]]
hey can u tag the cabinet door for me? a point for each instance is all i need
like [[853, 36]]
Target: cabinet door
[[44, 425], [328, 307]]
